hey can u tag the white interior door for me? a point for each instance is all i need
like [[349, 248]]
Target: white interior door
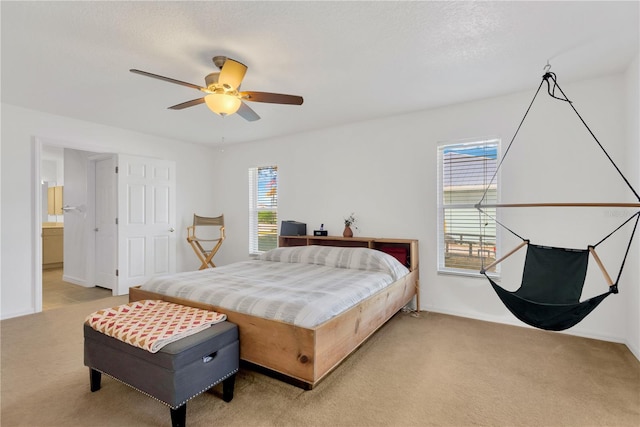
[[77, 224], [106, 228], [146, 220]]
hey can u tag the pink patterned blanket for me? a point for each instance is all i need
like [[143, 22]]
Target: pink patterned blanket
[[152, 324]]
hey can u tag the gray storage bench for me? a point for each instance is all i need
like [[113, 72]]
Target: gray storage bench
[[176, 373]]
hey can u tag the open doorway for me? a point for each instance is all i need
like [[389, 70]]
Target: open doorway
[[66, 194], [118, 221]]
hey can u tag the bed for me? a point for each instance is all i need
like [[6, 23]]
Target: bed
[[295, 341]]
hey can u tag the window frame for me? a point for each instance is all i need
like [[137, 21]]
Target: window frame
[[443, 206], [255, 195]]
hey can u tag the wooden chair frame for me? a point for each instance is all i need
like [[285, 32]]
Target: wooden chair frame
[[592, 251], [205, 255]]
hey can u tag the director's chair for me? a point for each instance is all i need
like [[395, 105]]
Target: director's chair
[[205, 255]]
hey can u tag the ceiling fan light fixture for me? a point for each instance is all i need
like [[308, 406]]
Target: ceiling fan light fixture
[[222, 104], [222, 91]]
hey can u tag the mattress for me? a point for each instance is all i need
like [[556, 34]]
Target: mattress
[[304, 286]]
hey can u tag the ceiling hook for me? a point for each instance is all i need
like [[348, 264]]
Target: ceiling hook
[[547, 67]]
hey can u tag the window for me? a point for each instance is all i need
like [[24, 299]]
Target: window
[[466, 237], [263, 209]]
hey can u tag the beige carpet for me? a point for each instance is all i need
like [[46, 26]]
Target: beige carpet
[[432, 370]]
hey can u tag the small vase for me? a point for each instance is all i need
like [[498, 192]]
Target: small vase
[[348, 232]]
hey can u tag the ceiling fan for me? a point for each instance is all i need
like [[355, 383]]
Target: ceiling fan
[[223, 95]]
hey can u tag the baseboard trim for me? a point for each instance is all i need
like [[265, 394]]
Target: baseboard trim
[[514, 322], [634, 350], [6, 316], [76, 281]]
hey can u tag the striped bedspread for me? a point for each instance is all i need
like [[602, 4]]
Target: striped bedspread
[[305, 286]]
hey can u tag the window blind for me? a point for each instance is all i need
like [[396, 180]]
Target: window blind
[[466, 238], [263, 209]]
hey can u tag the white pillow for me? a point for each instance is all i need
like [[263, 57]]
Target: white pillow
[[339, 257]]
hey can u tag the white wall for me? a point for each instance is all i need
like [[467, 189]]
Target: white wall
[[633, 136], [20, 127], [385, 171]]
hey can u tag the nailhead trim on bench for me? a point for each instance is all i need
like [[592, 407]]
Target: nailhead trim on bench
[[165, 403]]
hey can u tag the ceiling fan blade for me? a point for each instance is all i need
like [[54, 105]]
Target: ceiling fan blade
[[274, 98], [232, 73], [167, 79], [247, 113], [187, 104]]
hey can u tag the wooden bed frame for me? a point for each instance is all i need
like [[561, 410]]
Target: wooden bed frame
[[304, 356]]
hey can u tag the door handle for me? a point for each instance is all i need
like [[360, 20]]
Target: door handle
[[172, 229], [67, 208]]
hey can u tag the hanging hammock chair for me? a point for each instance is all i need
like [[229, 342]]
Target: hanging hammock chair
[[553, 278]]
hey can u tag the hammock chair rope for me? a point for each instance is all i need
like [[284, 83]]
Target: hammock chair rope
[[541, 301], [550, 75], [551, 91]]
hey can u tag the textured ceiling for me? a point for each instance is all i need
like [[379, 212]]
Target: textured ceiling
[[351, 61]]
